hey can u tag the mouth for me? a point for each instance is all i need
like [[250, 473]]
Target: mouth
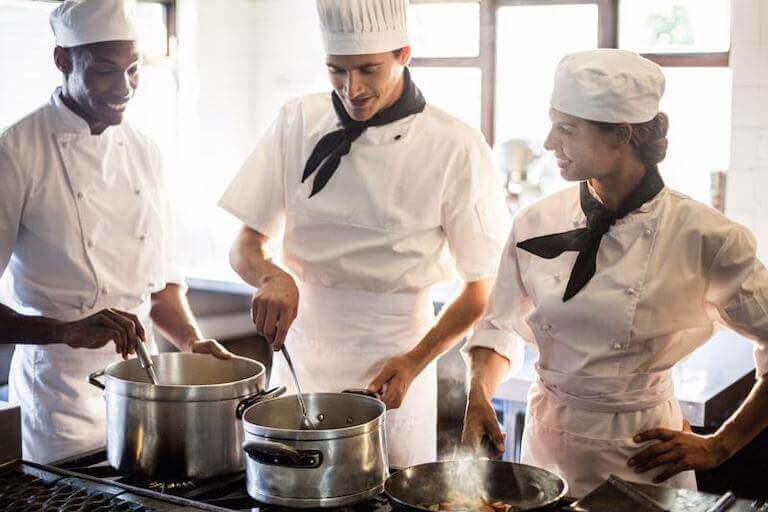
[[118, 107], [562, 163], [360, 103]]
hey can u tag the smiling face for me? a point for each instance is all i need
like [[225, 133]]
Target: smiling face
[[100, 79], [583, 150], [367, 84]]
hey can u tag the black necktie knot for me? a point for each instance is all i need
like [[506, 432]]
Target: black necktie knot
[[600, 220]]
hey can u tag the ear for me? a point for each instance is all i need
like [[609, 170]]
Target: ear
[[405, 56], [623, 134], [63, 60]]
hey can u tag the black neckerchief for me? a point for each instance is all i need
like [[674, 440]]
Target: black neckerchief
[[331, 147], [587, 240]]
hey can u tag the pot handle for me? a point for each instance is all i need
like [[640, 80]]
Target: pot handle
[[258, 397], [363, 392], [279, 454], [92, 379]]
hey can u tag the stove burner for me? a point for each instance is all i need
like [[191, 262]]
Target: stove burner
[[25, 493]]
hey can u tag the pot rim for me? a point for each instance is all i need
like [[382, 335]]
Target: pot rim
[[289, 434], [232, 390]]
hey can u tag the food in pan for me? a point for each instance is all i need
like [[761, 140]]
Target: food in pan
[[476, 505]]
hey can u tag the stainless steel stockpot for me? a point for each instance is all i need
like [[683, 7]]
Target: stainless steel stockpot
[[341, 462], [189, 425]]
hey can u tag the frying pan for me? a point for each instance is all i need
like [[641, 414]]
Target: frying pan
[[527, 487]]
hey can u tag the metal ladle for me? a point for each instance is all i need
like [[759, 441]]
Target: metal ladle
[[306, 423], [146, 362]]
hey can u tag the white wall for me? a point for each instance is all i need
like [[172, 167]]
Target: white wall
[[747, 183]]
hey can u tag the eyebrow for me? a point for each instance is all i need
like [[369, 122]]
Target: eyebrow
[[364, 65], [104, 59]]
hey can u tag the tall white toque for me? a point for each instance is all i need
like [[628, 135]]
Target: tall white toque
[[608, 85], [358, 27], [79, 22]]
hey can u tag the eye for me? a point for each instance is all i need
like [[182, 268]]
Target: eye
[[335, 71], [369, 70], [565, 129]]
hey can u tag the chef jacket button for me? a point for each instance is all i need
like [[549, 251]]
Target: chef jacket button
[[630, 291], [143, 238], [137, 191], [617, 346], [90, 244], [648, 231], [151, 284], [80, 195], [398, 137], [557, 278], [105, 290], [546, 327], [64, 144], [576, 223]]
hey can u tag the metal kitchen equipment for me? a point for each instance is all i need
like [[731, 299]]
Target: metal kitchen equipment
[[10, 426], [145, 360], [188, 426], [306, 422], [526, 487], [343, 461]]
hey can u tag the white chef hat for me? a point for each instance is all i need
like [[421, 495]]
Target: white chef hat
[[78, 22], [608, 85], [357, 27]]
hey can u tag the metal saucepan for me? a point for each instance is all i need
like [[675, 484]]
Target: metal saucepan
[[189, 425], [341, 462], [525, 488]]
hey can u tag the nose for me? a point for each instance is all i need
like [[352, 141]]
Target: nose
[[549, 143], [123, 86], [353, 85]]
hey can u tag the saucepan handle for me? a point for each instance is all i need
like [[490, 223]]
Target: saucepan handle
[[258, 397], [94, 381], [279, 454], [363, 392]]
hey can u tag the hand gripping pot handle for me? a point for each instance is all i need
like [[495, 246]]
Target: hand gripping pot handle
[[94, 381], [363, 392], [258, 397], [278, 454]]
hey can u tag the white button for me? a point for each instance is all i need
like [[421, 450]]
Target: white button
[[64, 144], [137, 191], [576, 223], [90, 244], [546, 327], [629, 291], [648, 231], [104, 290], [557, 278], [143, 238], [151, 284], [80, 195], [617, 346]]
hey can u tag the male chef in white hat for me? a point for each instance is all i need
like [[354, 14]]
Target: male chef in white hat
[[377, 190], [85, 235]]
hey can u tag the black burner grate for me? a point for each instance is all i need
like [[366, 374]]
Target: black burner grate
[[20, 492]]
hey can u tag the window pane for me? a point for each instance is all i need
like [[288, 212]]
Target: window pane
[[444, 29], [153, 33], [531, 41], [699, 140], [661, 26], [454, 90]]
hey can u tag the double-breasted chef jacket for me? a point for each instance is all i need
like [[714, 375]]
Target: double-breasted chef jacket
[[85, 225], [667, 274], [410, 202]]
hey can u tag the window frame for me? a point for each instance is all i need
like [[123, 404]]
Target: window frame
[[607, 36]]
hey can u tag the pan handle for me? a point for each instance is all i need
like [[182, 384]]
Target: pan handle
[[258, 397], [363, 392], [94, 381], [278, 454]]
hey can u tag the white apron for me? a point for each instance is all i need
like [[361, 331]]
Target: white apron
[[340, 340], [61, 413], [636, 402]]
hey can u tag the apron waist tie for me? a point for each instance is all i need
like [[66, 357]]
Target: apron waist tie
[[608, 394]]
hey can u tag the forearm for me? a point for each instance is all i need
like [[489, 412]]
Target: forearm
[[173, 318], [747, 422], [453, 323], [28, 330], [249, 258], [487, 370]]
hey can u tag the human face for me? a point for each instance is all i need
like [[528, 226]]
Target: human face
[[367, 84], [101, 79], [583, 151]]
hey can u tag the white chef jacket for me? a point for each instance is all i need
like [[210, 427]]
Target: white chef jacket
[[403, 192], [84, 225], [84, 219], [666, 274]]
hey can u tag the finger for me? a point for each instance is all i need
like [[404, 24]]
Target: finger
[[282, 332], [650, 453], [687, 426], [219, 351], [670, 472], [384, 376], [496, 436], [667, 458], [663, 434], [136, 323], [270, 323], [258, 313], [131, 335], [118, 334]]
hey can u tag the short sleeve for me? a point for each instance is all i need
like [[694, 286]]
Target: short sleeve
[[737, 285], [503, 328], [12, 197], [475, 216], [256, 195]]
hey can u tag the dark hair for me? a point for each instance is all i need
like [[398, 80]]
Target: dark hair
[[649, 139]]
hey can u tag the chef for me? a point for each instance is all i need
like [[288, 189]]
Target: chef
[[374, 187], [615, 281], [85, 235]]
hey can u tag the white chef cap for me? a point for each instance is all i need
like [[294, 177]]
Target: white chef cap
[[608, 85], [357, 27], [78, 22]]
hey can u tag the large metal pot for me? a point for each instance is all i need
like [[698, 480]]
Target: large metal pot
[[186, 427], [341, 462], [464, 482]]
